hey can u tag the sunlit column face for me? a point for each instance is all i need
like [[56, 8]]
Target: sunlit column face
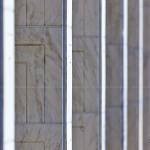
[[1, 76], [8, 73]]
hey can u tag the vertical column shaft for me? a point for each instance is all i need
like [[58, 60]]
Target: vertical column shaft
[[9, 75], [103, 75], [69, 74], [141, 74], [125, 75]]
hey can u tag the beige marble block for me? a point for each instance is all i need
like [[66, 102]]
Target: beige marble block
[[114, 129], [86, 18], [90, 47], [53, 12], [50, 38], [33, 56], [78, 17], [133, 75], [20, 12], [30, 146], [146, 27], [85, 135], [133, 23], [146, 97], [35, 12], [114, 72], [53, 76], [48, 134], [21, 92], [146, 3], [133, 127], [91, 68], [92, 16], [78, 81], [114, 21]]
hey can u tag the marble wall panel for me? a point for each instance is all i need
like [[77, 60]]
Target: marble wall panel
[[49, 134], [33, 56], [78, 17], [146, 77], [133, 24], [20, 12], [30, 146], [85, 132], [78, 81], [133, 127], [53, 12], [53, 75], [35, 12], [86, 18], [114, 72], [21, 92], [114, 21], [114, 129], [51, 39]]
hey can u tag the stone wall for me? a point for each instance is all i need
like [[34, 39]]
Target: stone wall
[[38, 74]]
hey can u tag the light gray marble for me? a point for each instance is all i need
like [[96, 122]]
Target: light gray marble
[[33, 57], [21, 92], [35, 12], [30, 146], [47, 134], [53, 12], [20, 12]]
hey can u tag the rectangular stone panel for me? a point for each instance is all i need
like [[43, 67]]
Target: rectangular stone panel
[[133, 75], [21, 92], [86, 18], [146, 77], [133, 23], [114, 11], [146, 27], [49, 134], [92, 13], [114, 73], [114, 130], [78, 17], [53, 12], [29, 146], [91, 78], [20, 12], [53, 75], [85, 127], [78, 81], [133, 126], [33, 56], [35, 12]]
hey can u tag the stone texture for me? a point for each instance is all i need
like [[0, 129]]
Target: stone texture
[[78, 81], [50, 38], [53, 72], [21, 92], [48, 134], [78, 17], [114, 21], [114, 129], [133, 24], [20, 12], [35, 12], [133, 127], [53, 12], [114, 72], [86, 18], [29, 146], [85, 129], [33, 56]]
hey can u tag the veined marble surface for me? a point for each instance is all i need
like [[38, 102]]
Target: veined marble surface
[[38, 74]]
